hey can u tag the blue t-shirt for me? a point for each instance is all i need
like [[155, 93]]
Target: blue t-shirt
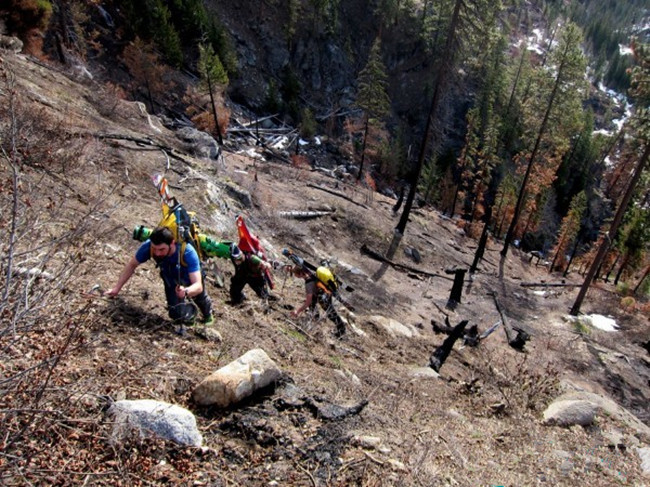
[[169, 265]]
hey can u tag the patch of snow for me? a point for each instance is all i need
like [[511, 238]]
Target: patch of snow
[[603, 323], [624, 50]]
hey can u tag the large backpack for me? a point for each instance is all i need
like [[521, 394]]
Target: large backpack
[[182, 223], [324, 275], [184, 227]]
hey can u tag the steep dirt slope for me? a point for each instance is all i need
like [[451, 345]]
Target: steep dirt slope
[[476, 424]]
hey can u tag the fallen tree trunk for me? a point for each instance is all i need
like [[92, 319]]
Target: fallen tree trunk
[[336, 193], [303, 215], [377, 256], [442, 352], [548, 284], [517, 337], [148, 142]]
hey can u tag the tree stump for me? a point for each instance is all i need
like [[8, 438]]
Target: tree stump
[[442, 352], [457, 288]]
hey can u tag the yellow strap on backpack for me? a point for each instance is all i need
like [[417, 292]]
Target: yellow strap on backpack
[[325, 277], [169, 221]]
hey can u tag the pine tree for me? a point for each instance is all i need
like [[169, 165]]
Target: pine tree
[[640, 92], [372, 98], [566, 91], [213, 76], [569, 229]]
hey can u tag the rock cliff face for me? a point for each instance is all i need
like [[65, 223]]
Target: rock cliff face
[[325, 54]]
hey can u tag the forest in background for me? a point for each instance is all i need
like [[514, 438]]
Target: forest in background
[[507, 128]]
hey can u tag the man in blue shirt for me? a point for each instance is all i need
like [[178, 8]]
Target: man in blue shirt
[[181, 275]]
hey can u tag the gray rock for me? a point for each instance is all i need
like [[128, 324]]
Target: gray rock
[[570, 412], [208, 333], [11, 43], [393, 327], [423, 373], [238, 194], [202, 144], [237, 380], [644, 455], [153, 418]]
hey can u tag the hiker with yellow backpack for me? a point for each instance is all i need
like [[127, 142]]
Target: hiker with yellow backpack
[[177, 247], [320, 287]]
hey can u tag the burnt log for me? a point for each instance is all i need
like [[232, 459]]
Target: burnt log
[[548, 284], [442, 352], [336, 193], [445, 327], [472, 338], [516, 337], [457, 288], [377, 256], [482, 243]]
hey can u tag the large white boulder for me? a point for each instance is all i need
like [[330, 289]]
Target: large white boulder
[[237, 380], [148, 418]]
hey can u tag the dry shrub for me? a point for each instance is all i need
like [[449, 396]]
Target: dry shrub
[[300, 161], [42, 325], [107, 100], [628, 303], [474, 229], [521, 384]]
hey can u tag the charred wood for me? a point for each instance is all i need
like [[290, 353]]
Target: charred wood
[[517, 337], [377, 256], [336, 193], [438, 357]]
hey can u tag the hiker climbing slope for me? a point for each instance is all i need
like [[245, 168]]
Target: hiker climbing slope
[[180, 270], [249, 269], [320, 284], [175, 245]]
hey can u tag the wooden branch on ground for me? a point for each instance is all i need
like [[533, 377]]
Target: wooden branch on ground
[[336, 193], [548, 284], [303, 215], [516, 341], [147, 142], [377, 256]]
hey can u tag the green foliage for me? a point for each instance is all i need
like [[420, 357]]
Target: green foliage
[[607, 25], [26, 15], [372, 97], [152, 20], [291, 93], [581, 327], [640, 91], [210, 67], [308, 123], [617, 76], [293, 17], [428, 184], [272, 100]]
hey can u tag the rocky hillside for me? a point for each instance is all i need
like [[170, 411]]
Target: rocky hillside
[[362, 410]]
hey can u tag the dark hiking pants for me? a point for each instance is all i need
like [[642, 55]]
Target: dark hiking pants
[[183, 309], [237, 283]]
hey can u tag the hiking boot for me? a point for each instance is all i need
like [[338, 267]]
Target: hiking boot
[[208, 320]]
